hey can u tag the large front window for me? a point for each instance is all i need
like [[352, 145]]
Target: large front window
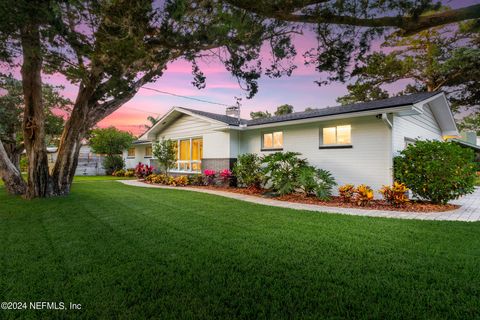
[[189, 154]]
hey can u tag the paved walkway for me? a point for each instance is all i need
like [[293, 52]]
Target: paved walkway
[[469, 210]]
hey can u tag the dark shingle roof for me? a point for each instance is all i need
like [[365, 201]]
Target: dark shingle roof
[[351, 108], [219, 117]]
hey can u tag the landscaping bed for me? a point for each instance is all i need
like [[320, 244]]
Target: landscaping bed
[[412, 206]]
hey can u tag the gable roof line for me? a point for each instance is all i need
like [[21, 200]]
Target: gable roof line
[[323, 112]]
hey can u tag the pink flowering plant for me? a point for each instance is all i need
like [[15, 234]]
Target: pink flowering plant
[[209, 176], [225, 176], [143, 170]]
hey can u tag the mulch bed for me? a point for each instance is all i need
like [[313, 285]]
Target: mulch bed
[[412, 206]]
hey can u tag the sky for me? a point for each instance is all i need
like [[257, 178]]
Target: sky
[[299, 90]]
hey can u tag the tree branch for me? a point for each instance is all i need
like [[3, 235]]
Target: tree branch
[[409, 25]]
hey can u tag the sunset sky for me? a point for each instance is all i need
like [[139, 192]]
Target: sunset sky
[[299, 90]]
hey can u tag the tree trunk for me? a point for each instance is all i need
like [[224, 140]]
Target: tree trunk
[[13, 152], [10, 174], [71, 142], [38, 184]]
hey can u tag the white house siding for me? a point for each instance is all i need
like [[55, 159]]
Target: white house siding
[[131, 162], [368, 162], [420, 127]]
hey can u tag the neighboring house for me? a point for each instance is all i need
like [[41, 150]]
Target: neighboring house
[[469, 140], [356, 143], [89, 163]]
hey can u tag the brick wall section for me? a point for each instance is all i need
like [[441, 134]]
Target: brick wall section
[[218, 164]]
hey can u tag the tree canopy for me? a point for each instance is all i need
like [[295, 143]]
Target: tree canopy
[[110, 141], [443, 58]]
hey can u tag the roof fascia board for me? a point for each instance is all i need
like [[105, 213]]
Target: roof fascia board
[[159, 123], [200, 116]]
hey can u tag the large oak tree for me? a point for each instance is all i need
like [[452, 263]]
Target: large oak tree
[[110, 49]]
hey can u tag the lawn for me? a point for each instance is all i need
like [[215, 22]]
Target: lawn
[[135, 253], [88, 178]]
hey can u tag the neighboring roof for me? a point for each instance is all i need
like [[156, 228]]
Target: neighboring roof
[[350, 108], [466, 144]]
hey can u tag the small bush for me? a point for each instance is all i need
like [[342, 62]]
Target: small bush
[[282, 170], [436, 171], [209, 176], [225, 177], [196, 180], [119, 173], [130, 173], [143, 170], [165, 152], [180, 181], [248, 170], [396, 194], [363, 195], [113, 163], [346, 192], [316, 181]]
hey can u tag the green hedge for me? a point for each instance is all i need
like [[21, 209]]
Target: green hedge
[[436, 171]]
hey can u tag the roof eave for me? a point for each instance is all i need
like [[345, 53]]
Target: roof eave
[[401, 109]]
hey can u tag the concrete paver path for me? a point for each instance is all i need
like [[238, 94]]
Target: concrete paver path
[[469, 210]]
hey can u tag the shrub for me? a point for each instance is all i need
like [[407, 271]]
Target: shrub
[[143, 170], [396, 194], [282, 170], [346, 192], [316, 181], [436, 171], [248, 170], [130, 173], [196, 180], [180, 181], [112, 163], [363, 195], [166, 152], [119, 173], [225, 176], [209, 177], [156, 178]]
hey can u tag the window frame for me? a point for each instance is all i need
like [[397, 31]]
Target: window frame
[[190, 162], [134, 153], [335, 145], [262, 142], [146, 156]]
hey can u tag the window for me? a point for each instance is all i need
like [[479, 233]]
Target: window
[[272, 141], [339, 136], [148, 151], [131, 152], [189, 154]]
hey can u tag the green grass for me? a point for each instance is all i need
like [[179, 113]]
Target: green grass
[[136, 253], [88, 178], [477, 181]]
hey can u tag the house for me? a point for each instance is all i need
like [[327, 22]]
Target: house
[[356, 142], [89, 163]]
